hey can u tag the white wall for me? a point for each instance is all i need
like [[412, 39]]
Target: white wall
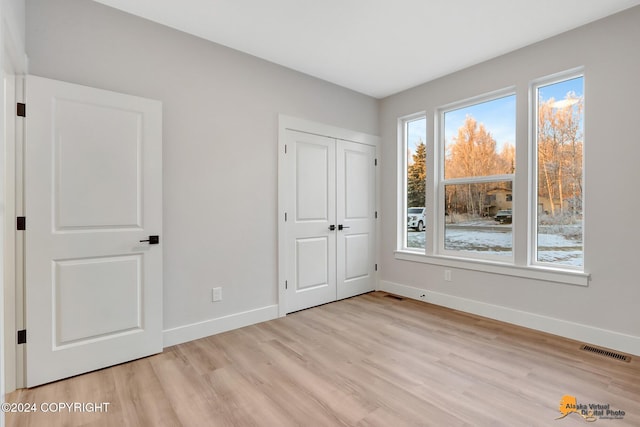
[[606, 312], [13, 21], [220, 144]]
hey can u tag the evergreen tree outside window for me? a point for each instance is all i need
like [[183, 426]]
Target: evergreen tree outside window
[[415, 132], [458, 195]]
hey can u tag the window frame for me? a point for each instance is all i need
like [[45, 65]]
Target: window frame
[[403, 180], [442, 182], [533, 167], [524, 201]]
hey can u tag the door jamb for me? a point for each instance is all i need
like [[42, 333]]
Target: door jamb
[[18, 237], [285, 123], [13, 259], [13, 285]]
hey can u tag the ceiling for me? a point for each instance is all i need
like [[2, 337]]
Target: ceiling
[[376, 47]]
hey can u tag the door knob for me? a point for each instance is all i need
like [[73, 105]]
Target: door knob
[[341, 227], [332, 227], [153, 240]]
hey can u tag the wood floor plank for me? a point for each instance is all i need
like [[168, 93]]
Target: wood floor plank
[[366, 361], [141, 395], [190, 396]]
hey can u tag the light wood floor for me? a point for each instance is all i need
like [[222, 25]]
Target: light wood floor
[[366, 361]]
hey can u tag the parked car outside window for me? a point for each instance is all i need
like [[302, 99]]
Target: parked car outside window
[[503, 216], [415, 218]]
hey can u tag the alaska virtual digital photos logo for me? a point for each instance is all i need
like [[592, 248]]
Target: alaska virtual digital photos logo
[[589, 412]]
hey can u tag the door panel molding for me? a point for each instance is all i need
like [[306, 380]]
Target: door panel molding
[[359, 146], [92, 195], [356, 250], [311, 244]]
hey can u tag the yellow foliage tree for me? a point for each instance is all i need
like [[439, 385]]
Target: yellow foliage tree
[[560, 154], [473, 154]]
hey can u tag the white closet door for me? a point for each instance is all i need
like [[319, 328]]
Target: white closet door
[[330, 243], [355, 206], [311, 244]]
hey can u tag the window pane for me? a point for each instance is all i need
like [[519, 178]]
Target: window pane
[[416, 132], [560, 142], [478, 218], [480, 139]]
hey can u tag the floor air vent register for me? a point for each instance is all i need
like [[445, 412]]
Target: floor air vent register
[[606, 353]]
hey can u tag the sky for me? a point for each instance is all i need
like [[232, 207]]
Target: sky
[[559, 90], [416, 133], [497, 115]]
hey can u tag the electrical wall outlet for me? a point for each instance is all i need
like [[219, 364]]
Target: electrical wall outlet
[[447, 275], [216, 294]]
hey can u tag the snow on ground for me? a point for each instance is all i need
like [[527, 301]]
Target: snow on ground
[[490, 238]]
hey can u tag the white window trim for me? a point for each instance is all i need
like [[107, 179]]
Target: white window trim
[[533, 167], [441, 182], [527, 272], [402, 203], [509, 267]]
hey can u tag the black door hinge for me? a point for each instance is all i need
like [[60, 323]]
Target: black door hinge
[[285, 148], [21, 109], [21, 223], [286, 284], [375, 162], [376, 267], [285, 217], [376, 214], [22, 336]]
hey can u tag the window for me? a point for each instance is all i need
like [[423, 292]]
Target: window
[[559, 142], [478, 146], [415, 133], [475, 215]]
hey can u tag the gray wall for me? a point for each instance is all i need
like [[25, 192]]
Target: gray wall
[[609, 51], [220, 141], [220, 138]]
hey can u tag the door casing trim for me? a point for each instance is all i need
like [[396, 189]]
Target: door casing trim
[[285, 123]]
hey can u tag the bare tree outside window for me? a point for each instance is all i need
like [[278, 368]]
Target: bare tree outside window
[[476, 202], [479, 164], [560, 143]]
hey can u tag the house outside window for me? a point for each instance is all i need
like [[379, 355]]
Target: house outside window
[[478, 165], [477, 212]]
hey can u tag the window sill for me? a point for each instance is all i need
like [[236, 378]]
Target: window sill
[[530, 272]]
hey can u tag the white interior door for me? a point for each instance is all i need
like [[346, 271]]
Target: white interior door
[[330, 244], [356, 208], [311, 245], [93, 193]]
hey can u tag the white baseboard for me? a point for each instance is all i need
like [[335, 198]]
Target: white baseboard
[[198, 330], [589, 334]]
